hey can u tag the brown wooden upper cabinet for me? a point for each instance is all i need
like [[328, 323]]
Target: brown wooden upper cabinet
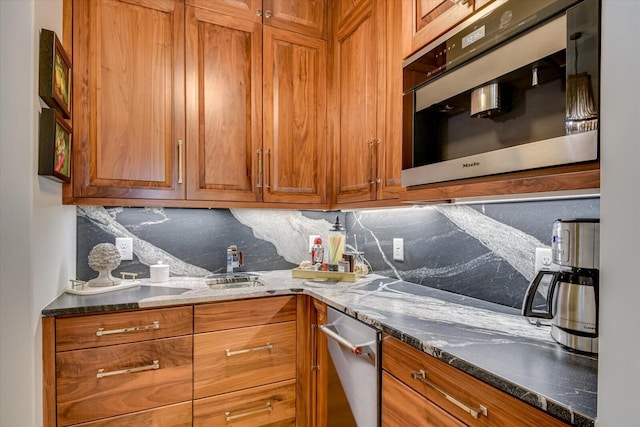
[[426, 20], [256, 106], [368, 100], [128, 62], [199, 101], [306, 17]]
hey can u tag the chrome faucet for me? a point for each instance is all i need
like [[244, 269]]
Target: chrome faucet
[[234, 258]]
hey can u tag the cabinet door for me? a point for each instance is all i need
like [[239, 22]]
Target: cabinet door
[[128, 59], [237, 359], [178, 415], [346, 10], [456, 392], [102, 382], [224, 106], [267, 405], [356, 58], [402, 406], [390, 149], [294, 142], [99, 330], [301, 16], [425, 20], [250, 10]]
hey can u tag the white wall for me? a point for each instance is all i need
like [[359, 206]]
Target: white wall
[[619, 364], [37, 233]]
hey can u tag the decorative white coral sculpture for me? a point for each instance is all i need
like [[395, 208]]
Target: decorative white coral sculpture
[[104, 257]]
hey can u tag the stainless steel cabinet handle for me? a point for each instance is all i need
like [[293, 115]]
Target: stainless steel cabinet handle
[[268, 168], [259, 12], [370, 179], [421, 376], [267, 14], [357, 349], [154, 365], [259, 168], [155, 325], [228, 417], [180, 162], [269, 347], [314, 349], [376, 157]]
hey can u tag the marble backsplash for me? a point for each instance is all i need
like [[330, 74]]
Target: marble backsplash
[[485, 251]]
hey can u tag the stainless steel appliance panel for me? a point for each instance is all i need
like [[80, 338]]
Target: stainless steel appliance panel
[[354, 353], [543, 59]]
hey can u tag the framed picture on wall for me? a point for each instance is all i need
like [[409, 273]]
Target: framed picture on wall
[[55, 74], [54, 154]]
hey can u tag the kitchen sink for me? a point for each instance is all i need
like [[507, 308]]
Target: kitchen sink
[[232, 280]]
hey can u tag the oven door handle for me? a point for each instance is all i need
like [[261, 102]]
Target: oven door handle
[[356, 349]]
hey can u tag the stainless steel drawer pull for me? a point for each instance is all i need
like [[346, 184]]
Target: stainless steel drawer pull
[[357, 349], [155, 365], [269, 347], [421, 376], [155, 325], [229, 417]]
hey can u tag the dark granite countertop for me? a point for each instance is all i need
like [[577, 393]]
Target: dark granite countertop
[[488, 341]]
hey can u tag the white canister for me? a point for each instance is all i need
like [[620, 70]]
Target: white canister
[[159, 272]]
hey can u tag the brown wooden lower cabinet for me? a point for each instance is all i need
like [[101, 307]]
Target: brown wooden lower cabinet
[[464, 397], [241, 358], [122, 368], [245, 363], [266, 368], [138, 367], [109, 381], [401, 406], [268, 405]]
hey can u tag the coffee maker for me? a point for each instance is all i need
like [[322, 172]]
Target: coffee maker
[[569, 297]]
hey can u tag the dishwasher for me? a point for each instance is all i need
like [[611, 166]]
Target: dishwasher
[[353, 372]]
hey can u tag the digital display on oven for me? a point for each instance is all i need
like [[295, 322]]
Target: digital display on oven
[[473, 37]]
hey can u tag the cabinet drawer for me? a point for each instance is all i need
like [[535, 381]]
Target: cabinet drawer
[[236, 359], [402, 406], [403, 361], [178, 415], [118, 328], [270, 405], [108, 381], [238, 314]]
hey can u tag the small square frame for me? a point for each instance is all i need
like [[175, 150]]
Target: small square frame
[[55, 74], [54, 154]]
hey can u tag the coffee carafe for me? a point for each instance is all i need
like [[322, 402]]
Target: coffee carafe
[[569, 297]]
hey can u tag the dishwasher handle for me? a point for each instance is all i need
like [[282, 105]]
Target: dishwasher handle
[[356, 349]]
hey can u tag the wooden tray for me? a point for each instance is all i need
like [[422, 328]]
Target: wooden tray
[[335, 276]]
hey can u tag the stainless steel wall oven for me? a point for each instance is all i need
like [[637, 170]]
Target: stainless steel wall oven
[[514, 88]]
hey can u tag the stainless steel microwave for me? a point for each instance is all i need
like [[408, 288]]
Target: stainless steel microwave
[[514, 88]]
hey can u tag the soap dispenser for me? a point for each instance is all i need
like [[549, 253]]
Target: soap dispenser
[[337, 239]]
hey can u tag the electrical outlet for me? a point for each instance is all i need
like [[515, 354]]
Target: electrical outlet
[[398, 249], [312, 238], [543, 260], [125, 246]]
